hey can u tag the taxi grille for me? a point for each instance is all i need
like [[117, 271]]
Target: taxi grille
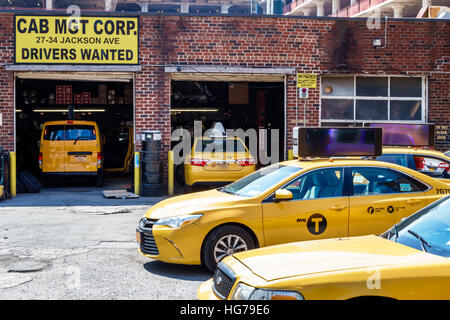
[[148, 244], [223, 281]]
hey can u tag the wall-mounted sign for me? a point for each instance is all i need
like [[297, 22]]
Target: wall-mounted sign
[[69, 40], [306, 80]]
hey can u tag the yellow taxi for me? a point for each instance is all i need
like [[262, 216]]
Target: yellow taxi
[[409, 261], [217, 159], [285, 202], [425, 160], [71, 148]]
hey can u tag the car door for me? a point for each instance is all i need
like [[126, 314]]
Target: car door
[[380, 197], [52, 148], [80, 148], [318, 209]]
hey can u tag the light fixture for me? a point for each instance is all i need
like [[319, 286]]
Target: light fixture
[[194, 110], [65, 110]]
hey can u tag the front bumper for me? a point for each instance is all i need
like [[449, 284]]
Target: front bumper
[[171, 245], [205, 291]]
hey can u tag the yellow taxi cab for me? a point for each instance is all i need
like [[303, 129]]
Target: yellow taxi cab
[[285, 202], [425, 160], [217, 159], [71, 148], [409, 261]]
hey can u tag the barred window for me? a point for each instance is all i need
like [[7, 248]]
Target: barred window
[[358, 99]]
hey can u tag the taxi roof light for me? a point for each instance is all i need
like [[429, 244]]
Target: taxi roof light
[[327, 142]]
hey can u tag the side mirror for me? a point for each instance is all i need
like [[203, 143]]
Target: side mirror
[[283, 195]]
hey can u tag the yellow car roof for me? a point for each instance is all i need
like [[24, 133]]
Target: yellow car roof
[[415, 150], [63, 122]]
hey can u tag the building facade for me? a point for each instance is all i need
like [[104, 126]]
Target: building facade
[[404, 77]]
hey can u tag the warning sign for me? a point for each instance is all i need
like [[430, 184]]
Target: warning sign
[[306, 80], [82, 40]]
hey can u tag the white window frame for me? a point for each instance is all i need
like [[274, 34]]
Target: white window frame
[[388, 98]]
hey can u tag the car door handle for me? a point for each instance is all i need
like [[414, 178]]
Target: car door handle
[[338, 207], [413, 201]]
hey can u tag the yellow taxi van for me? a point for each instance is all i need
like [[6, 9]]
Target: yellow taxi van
[[71, 148]]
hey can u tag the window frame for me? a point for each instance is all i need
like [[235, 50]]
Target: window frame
[[351, 186], [270, 198], [388, 98]]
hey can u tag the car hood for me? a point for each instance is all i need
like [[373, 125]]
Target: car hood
[[190, 203], [310, 257]]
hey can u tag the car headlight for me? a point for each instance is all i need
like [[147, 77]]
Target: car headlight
[[246, 292], [177, 222]]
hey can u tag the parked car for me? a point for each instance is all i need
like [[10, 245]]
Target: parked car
[[409, 261], [285, 202], [430, 162], [71, 148]]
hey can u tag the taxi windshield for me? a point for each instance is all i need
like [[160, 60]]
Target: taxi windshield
[[260, 181], [427, 230]]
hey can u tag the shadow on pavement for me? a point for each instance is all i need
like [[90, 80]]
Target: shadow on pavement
[[178, 271]]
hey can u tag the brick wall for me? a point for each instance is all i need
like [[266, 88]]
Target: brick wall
[[419, 47], [321, 46], [6, 83]]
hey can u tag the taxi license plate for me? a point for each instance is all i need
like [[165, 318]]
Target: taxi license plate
[[81, 158]]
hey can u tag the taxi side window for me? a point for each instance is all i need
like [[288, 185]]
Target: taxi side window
[[375, 181], [324, 183]]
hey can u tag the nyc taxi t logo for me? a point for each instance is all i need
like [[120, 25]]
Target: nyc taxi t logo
[[316, 224]]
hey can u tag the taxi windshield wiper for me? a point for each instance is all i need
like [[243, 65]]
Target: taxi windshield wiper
[[226, 191], [423, 242], [395, 229]]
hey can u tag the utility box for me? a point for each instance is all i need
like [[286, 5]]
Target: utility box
[[151, 164]]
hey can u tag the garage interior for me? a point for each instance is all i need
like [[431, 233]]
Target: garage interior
[[105, 99], [236, 104]]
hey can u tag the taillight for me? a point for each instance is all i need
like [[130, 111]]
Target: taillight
[[420, 163], [198, 162], [40, 158], [246, 162], [99, 158]]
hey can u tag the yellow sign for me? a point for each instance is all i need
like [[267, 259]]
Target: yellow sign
[[71, 40], [306, 80]]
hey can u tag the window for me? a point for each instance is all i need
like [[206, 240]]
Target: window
[[60, 132], [377, 181], [80, 132], [372, 98], [318, 184], [54, 133], [220, 145], [260, 181], [400, 159]]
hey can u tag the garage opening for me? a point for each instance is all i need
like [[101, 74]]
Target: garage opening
[[235, 104], [106, 99]]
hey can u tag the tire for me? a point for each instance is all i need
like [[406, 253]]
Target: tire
[[216, 244], [20, 188], [99, 180], [30, 182], [179, 174]]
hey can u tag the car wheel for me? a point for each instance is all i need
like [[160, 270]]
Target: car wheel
[[179, 174], [99, 180], [223, 242]]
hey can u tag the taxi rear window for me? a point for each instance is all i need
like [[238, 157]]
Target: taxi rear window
[[69, 132], [220, 145]]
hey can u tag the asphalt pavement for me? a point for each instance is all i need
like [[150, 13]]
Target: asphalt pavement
[[73, 243]]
